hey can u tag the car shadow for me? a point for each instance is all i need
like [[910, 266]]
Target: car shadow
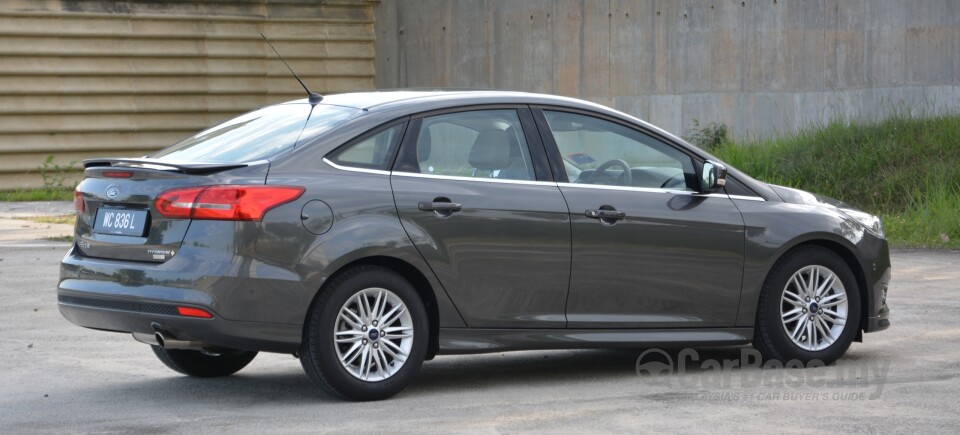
[[441, 375], [545, 367]]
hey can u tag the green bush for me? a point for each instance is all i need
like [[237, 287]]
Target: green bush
[[907, 170]]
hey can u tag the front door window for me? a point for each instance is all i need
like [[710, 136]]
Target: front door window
[[597, 151]]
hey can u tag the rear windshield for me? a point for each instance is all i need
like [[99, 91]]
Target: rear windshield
[[256, 135]]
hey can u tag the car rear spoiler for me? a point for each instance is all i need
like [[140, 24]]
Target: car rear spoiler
[[192, 168]]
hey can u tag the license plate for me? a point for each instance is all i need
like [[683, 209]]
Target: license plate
[[120, 222]]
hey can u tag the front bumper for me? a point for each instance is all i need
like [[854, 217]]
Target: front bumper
[[878, 313]]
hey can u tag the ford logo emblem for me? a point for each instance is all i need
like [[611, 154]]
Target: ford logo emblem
[[113, 192]]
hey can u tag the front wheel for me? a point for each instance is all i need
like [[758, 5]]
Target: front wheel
[[204, 364], [809, 307], [366, 336]]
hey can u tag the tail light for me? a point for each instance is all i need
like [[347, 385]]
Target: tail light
[[78, 204], [233, 203]]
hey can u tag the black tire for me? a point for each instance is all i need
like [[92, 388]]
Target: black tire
[[770, 335], [204, 365], [319, 354]]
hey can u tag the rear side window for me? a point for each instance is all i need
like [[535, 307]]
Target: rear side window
[[372, 152], [257, 135], [476, 144]]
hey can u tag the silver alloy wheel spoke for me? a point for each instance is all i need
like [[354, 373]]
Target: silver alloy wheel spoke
[[349, 336], [346, 357], [827, 283], [813, 308], [373, 334], [799, 285], [834, 318], [794, 299], [812, 281], [394, 315], [833, 299], [825, 330], [795, 335], [388, 349], [351, 317], [364, 306], [792, 315]]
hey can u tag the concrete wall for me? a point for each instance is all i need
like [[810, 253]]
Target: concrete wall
[[86, 78], [760, 67]]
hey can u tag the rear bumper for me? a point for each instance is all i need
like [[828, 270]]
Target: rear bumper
[[258, 308], [97, 311]]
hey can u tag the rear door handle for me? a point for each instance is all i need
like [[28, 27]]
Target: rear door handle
[[605, 214], [440, 206]]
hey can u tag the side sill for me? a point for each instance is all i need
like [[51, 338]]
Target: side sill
[[472, 340]]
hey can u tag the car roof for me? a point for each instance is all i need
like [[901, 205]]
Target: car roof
[[375, 99]]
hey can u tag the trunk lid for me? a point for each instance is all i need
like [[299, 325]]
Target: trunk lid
[[119, 220]]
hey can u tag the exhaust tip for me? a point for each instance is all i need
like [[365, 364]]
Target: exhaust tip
[[160, 338]]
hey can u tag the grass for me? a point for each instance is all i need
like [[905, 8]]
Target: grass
[[66, 219], [907, 170], [44, 194], [59, 239]]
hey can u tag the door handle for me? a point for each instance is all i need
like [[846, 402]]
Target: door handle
[[440, 206], [605, 214]]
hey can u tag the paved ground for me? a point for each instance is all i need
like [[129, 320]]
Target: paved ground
[[19, 224], [55, 377]]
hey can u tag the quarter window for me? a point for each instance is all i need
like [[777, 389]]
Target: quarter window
[[597, 151], [478, 144], [373, 152]]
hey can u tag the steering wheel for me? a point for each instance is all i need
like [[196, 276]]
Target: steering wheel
[[673, 180], [626, 178]]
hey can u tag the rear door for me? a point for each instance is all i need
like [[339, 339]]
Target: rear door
[[474, 193]]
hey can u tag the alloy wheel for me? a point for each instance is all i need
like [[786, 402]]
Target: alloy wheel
[[814, 308], [373, 334]]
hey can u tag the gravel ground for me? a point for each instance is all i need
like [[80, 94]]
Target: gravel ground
[[56, 377]]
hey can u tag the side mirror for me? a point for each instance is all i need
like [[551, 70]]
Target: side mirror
[[713, 176]]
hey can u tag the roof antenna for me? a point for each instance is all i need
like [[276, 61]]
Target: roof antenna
[[312, 97]]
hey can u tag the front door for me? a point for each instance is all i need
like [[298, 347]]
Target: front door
[[495, 233], [648, 251]]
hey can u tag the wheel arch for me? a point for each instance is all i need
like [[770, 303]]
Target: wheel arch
[[846, 253], [408, 272]]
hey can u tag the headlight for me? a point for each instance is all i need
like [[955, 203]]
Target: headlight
[[868, 220]]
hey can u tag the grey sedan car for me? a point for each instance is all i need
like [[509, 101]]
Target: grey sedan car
[[369, 232]]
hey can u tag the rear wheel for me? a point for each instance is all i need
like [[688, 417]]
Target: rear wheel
[[366, 337], [204, 364], [809, 307]]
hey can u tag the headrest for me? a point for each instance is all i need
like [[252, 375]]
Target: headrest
[[514, 143], [490, 151]]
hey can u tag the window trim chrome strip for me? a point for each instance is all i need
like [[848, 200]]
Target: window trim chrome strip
[[482, 180], [539, 183], [629, 188], [655, 190], [748, 198], [352, 169]]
